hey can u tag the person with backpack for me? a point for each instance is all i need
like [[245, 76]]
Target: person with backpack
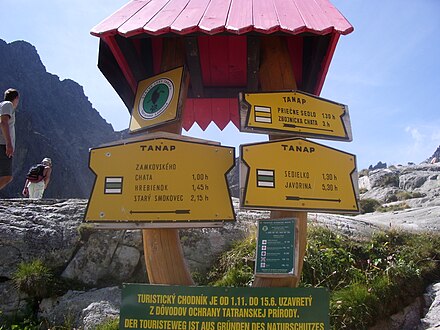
[[7, 135], [37, 179]]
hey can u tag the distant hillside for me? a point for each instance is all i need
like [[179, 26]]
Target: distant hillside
[[54, 119]]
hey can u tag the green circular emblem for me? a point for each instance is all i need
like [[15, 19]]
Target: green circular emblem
[[156, 98]]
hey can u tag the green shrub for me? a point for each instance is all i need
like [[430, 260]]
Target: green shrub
[[328, 260], [404, 195], [368, 205], [391, 198], [353, 307], [33, 278]]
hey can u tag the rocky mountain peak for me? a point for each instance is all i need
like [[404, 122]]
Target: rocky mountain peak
[[54, 119]]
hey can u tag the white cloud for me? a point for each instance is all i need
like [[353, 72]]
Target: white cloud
[[415, 134]]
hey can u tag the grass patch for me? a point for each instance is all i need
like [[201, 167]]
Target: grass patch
[[368, 280], [112, 324], [236, 266]]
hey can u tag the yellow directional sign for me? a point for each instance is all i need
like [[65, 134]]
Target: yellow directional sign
[[294, 112], [161, 180], [297, 174], [157, 100]]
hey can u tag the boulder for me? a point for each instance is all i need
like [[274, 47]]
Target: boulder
[[383, 195], [412, 181], [98, 313], [384, 178], [431, 320], [364, 183], [108, 257], [38, 229], [78, 308]]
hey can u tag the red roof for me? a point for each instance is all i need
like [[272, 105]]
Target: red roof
[[218, 38], [157, 17]]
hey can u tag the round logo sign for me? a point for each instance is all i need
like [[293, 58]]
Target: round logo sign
[[156, 98]]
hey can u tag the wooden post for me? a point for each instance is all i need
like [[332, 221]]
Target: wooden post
[[163, 252], [276, 73]]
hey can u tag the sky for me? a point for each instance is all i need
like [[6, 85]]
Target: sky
[[387, 71]]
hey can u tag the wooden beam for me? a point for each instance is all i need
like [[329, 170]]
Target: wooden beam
[[276, 73], [315, 50], [253, 63], [195, 71], [163, 251]]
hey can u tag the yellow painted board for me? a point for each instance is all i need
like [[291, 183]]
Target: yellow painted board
[[161, 180], [294, 113], [157, 100], [297, 174]]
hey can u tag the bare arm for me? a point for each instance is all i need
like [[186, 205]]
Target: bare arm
[[4, 124], [47, 172]]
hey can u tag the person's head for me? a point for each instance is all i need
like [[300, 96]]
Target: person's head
[[12, 95], [47, 162]]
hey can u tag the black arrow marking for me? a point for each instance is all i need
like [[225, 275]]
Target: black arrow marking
[[153, 212], [297, 198], [312, 128]]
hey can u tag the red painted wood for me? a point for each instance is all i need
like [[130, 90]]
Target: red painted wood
[[218, 61], [315, 20], [205, 58], [163, 19], [203, 112], [222, 57], [295, 47], [237, 54], [156, 17], [234, 112], [189, 18], [265, 17], [223, 60], [114, 21], [220, 112], [157, 44], [136, 23], [122, 62], [289, 16], [188, 114], [213, 21], [337, 19], [240, 17]]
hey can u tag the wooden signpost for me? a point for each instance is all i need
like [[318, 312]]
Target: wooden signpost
[[264, 52]]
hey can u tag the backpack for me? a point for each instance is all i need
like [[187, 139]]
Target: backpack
[[35, 173]]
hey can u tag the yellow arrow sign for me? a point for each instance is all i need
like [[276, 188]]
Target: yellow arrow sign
[[160, 180], [296, 113], [297, 174]]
